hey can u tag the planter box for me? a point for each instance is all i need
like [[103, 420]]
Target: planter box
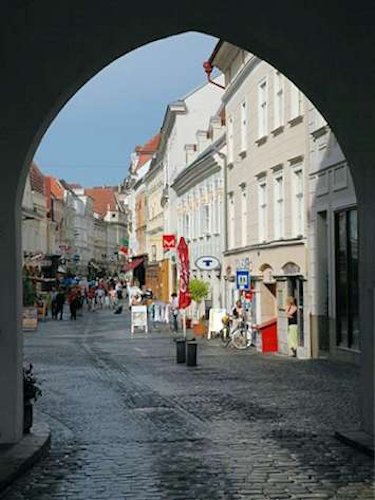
[[199, 329]]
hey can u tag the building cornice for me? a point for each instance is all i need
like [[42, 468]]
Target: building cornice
[[200, 169], [240, 78], [264, 246]]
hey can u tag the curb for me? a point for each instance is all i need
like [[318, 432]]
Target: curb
[[358, 440], [19, 458]]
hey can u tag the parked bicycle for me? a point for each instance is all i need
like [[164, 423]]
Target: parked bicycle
[[238, 334]]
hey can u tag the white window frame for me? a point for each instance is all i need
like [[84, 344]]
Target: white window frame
[[296, 102], [279, 205], [244, 115], [262, 210], [244, 215], [206, 218], [231, 221], [262, 108], [298, 197], [230, 139], [278, 100]]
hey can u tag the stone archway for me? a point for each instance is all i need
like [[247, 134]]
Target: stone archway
[[47, 56]]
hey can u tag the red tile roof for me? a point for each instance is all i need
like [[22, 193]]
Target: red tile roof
[[54, 188], [146, 152], [36, 179], [104, 199]]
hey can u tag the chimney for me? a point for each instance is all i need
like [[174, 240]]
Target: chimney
[[190, 153], [216, 127], [202, 140]]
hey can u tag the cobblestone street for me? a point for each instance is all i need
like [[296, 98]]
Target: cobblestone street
[[129, 423]]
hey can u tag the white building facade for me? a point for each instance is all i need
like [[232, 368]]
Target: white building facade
[[184, 128], [200, 213], [266, 186]]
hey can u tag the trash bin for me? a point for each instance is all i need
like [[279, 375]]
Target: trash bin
[[192, 353], [180, 350]]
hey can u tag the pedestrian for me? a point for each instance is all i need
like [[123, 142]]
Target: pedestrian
[[118, 288], [60, 300], [291, 313], [53, 303], [174, 311], [72, 300]]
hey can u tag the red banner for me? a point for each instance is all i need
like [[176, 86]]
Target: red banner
[[184, 298], [169, 241]]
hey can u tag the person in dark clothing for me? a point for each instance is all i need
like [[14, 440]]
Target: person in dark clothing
[[60, 299], [74, 303]]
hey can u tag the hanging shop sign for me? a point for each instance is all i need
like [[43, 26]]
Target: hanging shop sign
[[169, 241], [207, 263]]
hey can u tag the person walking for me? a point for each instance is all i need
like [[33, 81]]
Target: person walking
[[72, 300], [291, 313], [60, 300], [53, 303], [174, 311]]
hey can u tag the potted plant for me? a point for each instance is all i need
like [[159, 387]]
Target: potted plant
[[31, 392], [199, 290]]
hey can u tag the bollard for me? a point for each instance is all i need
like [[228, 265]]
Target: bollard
[[180, 350], [192, 353]]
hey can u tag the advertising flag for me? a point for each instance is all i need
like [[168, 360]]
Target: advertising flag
[[184, 298]]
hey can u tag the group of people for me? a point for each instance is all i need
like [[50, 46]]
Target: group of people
[[103, 293]]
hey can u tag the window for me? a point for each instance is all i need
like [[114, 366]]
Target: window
[[298, 200], [262, 108], [295, 102], [205, 219], [347, 292], [243, 126], [278, 100], [187, 225], [244, 218], [262, 210], [230, 140], [231, 222], [153, 252], [278, 198]]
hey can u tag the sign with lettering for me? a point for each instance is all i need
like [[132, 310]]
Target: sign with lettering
[[139, 318], [242, 279], [207, 263], [169, 241]]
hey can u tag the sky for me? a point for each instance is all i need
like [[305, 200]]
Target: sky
[[91, 139]]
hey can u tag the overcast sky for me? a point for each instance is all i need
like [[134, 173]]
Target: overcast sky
[[91, 139]]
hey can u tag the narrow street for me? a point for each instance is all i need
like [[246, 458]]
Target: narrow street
[[129, 423]]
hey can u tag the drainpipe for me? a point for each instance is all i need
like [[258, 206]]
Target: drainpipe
[[223, 156], [208, 69]]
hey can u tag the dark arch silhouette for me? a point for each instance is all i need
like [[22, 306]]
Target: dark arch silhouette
[[48, 53]]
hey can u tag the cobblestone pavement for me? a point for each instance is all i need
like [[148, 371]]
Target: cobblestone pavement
[[129, 423]]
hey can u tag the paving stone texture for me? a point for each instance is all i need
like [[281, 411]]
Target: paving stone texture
[[129, 423]]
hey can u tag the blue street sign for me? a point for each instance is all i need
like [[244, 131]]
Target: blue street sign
[[242, 279]]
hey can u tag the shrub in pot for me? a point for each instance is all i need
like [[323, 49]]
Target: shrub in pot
[[199, 290], [31, 392]]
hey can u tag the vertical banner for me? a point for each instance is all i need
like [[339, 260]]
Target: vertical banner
[[184, 298]]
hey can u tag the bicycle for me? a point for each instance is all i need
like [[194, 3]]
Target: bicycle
[[241, 337]]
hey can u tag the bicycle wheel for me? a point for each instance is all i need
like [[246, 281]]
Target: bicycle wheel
[[240, 340]]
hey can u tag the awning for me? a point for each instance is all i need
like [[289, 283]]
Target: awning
[[133, 264]]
